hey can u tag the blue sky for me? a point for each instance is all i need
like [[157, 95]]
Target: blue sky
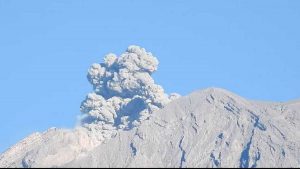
[[249, 47]]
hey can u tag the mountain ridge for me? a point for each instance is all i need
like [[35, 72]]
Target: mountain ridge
[[208, 128]]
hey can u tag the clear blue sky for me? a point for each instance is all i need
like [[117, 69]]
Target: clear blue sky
[[249, 47]]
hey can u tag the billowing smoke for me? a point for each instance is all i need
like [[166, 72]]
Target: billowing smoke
[[124, 92]]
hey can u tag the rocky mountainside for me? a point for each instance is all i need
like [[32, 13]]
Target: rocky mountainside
[[208, 128]]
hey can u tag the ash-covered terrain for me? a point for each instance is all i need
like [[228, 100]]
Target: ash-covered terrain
[[129, 121]]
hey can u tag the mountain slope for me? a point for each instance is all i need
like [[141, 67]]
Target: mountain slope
[[209, 128]]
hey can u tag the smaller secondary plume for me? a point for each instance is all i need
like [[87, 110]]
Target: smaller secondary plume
[[124, 92]]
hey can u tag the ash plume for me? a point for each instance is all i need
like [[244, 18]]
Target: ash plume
[[124, 93]]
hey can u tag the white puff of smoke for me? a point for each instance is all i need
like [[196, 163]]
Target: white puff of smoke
[[124, 92]]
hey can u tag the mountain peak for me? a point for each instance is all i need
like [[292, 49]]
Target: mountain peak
[[219, 92]]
